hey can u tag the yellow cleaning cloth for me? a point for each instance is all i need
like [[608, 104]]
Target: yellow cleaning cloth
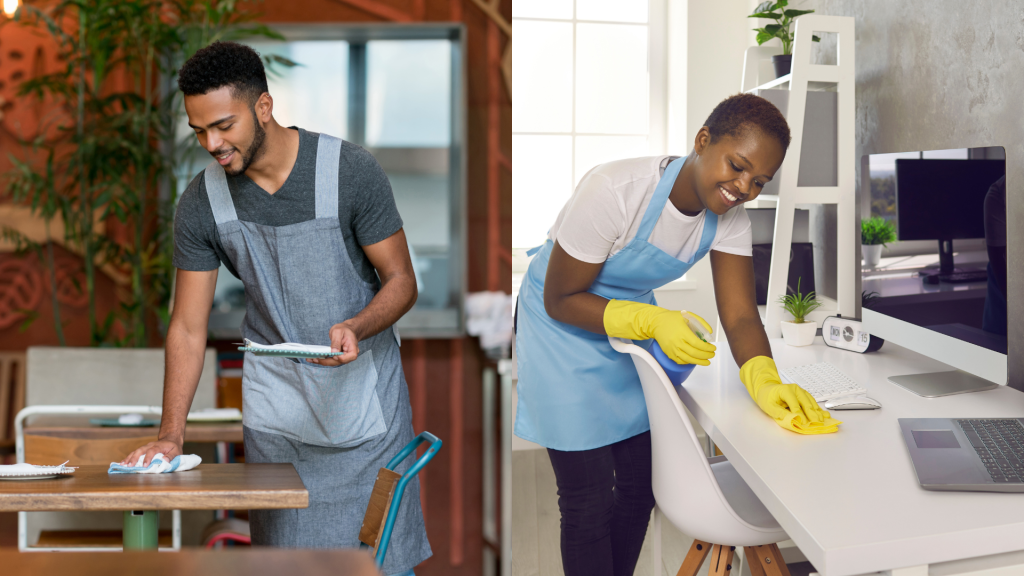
[[788, 404]]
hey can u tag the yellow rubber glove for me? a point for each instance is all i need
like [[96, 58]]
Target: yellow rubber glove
[[789, 405], [636, 321]]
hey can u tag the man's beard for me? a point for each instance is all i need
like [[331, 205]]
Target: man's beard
[[254, 151]]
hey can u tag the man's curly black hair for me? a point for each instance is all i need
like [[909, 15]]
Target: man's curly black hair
[[224, 64], [741, 112]]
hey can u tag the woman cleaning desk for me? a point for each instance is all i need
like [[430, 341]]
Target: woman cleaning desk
[[630, 227]]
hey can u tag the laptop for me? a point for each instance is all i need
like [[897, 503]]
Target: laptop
[[967, 454]]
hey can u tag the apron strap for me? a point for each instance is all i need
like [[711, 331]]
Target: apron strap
[[218, 193], [707, 237], [661, 192], [328, 158]]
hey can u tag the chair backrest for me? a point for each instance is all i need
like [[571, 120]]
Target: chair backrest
[[684, 485], [93, 376], [54, 447], [12, 391]]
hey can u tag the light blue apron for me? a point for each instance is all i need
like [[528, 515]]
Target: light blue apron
[[575, 391]]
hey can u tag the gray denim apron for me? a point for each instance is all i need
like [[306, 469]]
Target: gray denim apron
[[337, 425]]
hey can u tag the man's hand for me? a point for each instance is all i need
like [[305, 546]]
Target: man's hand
[[344, 340], [168, 448]]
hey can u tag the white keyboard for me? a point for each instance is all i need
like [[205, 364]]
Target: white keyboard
[[822, 380]]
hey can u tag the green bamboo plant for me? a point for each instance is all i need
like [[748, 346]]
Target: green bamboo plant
[[116, 153]]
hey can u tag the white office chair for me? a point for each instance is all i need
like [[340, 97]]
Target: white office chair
[[703, 497]]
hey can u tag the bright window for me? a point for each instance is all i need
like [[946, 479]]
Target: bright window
[[582, 87]]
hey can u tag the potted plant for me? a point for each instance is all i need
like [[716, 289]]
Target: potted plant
[[799, 332], [875, 232], [783, 19]]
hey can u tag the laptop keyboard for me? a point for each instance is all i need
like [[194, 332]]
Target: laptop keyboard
[[1000, 444]]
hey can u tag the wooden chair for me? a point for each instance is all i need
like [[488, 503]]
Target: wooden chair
[[386, 497], [12, 393], [52, 445]]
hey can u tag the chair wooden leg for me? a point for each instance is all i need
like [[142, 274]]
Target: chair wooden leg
[[768, 559], [721, 560], [751, 554], [780, 562], [694, 558]]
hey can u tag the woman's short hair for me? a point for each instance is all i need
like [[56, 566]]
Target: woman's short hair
[[741, 112]]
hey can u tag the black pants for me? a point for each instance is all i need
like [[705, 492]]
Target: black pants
[[606, 500]]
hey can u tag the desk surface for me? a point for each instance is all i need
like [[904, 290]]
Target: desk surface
[[851, 500], [197, 562], [207, 487], [80, 427]]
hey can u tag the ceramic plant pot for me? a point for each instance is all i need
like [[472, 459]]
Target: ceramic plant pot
[[799, 334], [872, 254], [782, 64]]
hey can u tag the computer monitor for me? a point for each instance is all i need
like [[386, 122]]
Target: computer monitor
[[943, 199], [945, 196]]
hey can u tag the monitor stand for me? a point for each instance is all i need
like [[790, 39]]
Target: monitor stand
[[946, 257], [935, 384]]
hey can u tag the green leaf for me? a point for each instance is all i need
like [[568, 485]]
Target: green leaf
[[781, 4], [795, 13], [773, 29], [815, 38], [763, 36], [766, 15], [764, 7], [877, 230]]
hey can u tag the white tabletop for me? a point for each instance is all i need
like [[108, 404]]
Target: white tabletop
[[851, 500]]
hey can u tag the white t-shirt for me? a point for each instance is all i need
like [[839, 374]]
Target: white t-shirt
[[604, 214]]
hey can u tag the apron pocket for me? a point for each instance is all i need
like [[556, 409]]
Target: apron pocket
[[344, 407]]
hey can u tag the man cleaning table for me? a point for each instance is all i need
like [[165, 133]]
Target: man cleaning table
[[309, 224]]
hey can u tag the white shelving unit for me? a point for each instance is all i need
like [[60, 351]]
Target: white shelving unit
[[803, 78]]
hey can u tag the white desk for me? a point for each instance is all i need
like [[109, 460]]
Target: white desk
[[851, 501]]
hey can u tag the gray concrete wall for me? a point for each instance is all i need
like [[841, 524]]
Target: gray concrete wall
[[941, 74]]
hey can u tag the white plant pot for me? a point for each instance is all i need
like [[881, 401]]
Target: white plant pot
[[799, 334], [872, 254]]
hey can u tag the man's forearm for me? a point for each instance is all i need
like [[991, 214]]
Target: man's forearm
[[396, 297], [183, 363]]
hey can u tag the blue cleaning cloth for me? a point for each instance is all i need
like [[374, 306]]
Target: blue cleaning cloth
[[159, 465]]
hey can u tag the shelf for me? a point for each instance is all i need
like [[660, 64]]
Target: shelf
[[776, 84], [770, 202]]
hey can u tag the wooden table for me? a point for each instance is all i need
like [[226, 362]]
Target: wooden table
[[195, 562], [80, 427], [207, 487]]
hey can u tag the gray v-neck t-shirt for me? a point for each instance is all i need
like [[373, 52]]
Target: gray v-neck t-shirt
[[366, 208]]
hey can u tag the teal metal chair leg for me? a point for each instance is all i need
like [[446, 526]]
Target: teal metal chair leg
[[396, 499], [141, 529]]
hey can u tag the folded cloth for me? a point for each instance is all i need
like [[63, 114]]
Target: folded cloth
[[159, 465], [792, 407]]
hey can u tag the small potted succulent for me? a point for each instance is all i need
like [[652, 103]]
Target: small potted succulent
[[875, 233], [783, 19], [799, 332]]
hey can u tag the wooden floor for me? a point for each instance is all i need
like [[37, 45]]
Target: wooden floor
[[535, 527]]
